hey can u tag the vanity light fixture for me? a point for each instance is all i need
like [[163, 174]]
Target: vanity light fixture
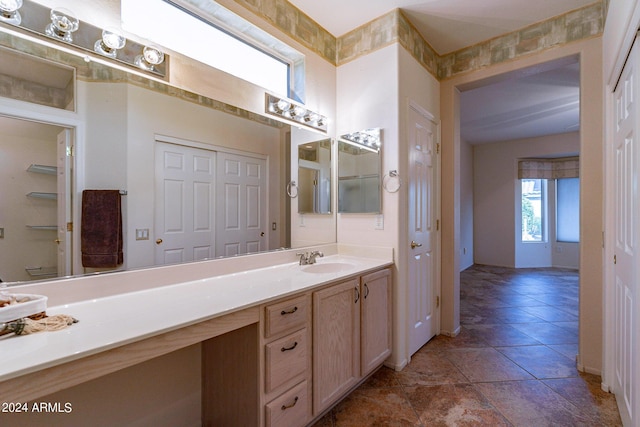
[[151, 57], [63, 24], [285, 108], [111, 41], [369, 139], [9, 11], [62, 27]]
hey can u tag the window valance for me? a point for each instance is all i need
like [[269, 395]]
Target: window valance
[[566, 167]]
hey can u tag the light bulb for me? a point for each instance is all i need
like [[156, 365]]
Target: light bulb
[[283, 105], [9, 11], [151, 56], [110, 42], [63, 24]]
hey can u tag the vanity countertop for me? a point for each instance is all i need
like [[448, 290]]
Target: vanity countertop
[[116, 320]]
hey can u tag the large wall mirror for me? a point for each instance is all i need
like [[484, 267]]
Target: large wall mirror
[[198, 178], [359, 165]]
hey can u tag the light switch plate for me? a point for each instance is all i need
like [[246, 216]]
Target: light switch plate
[[142, 234], [379, 222]]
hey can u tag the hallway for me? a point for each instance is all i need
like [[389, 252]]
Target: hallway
[[513, 364]]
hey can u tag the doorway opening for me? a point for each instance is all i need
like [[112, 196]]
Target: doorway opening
[[532, 113], [36, 209]]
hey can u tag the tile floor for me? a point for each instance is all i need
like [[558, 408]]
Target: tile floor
[[513, 363]]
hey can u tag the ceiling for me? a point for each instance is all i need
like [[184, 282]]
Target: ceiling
[[539, 102], [447, 25]]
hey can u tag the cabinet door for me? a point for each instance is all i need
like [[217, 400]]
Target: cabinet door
[[376, 319], [336, 342]]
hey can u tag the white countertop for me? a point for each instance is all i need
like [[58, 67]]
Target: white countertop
[[113, 321]]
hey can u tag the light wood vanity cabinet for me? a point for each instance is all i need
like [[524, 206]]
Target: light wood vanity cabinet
[[375, 324], [336, 342], [286, 362], [351, 334], [306, 352]]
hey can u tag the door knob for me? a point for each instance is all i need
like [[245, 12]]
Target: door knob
[[158, 241], [57, 241], [262, 234], [415, 245]]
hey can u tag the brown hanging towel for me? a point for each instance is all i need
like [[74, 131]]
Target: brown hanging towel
[[101, 229]]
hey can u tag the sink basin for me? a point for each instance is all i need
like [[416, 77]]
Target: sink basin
[[327, 267]]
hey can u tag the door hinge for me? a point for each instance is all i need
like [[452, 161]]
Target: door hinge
[[437, 301], [70, 226], [437, 225], [438, 148], [70, 151]]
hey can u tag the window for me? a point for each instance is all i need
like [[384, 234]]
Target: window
[[533, 209], [181, 31], [568, 210]]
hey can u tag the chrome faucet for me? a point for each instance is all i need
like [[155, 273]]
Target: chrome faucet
[[304, 258], [313, 255], [309, 257]]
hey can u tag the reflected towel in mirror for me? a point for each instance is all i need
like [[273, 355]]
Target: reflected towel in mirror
[[101, 229]]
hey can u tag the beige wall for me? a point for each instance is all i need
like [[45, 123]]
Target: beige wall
[[590, 53], [495, 204], [375, 91]]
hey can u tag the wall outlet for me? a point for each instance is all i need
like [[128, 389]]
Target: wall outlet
[[142, 234]]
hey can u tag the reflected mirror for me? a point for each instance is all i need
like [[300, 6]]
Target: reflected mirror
[[359, 165], [140, 137], [314, 177]]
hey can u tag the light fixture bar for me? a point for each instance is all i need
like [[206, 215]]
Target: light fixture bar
[[63, 29], [292, 111], [369, 139]]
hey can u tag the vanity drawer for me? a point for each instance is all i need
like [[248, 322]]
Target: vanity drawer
[[285, 359], [289, 409], [286, 315]]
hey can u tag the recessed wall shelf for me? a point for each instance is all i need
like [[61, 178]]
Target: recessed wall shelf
[[45, 169], [43, 227], [39, 195], [42, 271]]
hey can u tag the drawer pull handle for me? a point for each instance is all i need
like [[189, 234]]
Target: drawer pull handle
[[285, 407], [366, 291], [283, 349], [293, 310], [357, 295]]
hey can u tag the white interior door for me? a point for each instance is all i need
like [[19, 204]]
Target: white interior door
[[626, 258], [241, 225], [185, 198], [422, 135], [64, 240]]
